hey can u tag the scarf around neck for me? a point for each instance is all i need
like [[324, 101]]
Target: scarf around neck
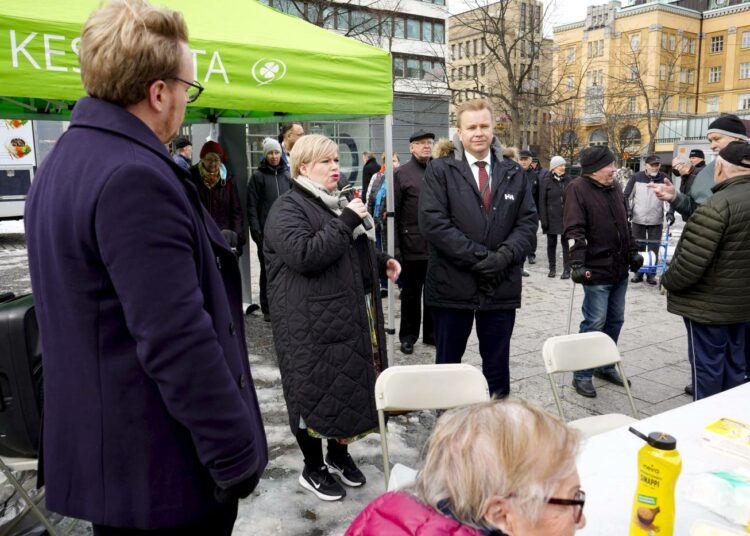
[[209, 179], [334, 203]]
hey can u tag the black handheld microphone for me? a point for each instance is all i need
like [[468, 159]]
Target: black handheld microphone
[[347, 192]]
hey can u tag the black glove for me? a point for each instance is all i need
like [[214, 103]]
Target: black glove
[[237, 491], [230, 236], [636, 261], [492, 263], [579, 273], [670, 218]]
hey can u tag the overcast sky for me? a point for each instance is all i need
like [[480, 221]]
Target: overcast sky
[[558, 11]]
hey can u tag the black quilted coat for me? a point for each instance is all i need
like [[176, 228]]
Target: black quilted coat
[[709, 277], [317, 280]]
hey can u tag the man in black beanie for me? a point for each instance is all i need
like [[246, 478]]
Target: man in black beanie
[[709, 277], [721, 132], [602, 249]]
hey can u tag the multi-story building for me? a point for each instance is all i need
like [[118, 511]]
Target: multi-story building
[[498, 52], [651, 73], [414, 31]]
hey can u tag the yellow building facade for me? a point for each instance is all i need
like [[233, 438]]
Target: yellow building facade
[[646, 77]]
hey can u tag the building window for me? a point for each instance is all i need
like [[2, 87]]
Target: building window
[[413, 29], [438, 32], [632, 103], [571, 82], [571, 55], [399, 28], [412, 68], [598, 137], [427, 31], [630, 136], [692, 46], [474, 68], [635, 42], [683, 75], [484, 43], [476, 47], [714, 75], [453, 74], [717, 44], [482, 69], [633, 73], [664, 40], [691, 76], [745, 39], [744, 71], [662, 72], [672, 42], [744, 102], [398, 68], [712, 104]]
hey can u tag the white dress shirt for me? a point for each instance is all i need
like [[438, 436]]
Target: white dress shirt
[[475, 168]]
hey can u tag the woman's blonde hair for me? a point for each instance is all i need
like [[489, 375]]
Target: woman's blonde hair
[[127, 45], [501, 448], [311, 148], [510, 152]]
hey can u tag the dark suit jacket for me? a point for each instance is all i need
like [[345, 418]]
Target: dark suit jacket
[[148, 399]]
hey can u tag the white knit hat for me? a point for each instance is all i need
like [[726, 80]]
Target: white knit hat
[[556, 161]]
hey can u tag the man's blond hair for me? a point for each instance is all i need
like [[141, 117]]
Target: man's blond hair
[[310, 149], [128, 44], [501, 448], [475, 105]]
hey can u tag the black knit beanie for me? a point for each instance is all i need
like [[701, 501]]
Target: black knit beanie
[[595, 158]]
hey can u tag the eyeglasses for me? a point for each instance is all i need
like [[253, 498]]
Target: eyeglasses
[[577, 502], [194, 90]]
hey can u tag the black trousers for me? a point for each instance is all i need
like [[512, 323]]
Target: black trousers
[[312, 449], [552, 251], [219, 523], [494, 330], [412, 303], [263, 281], [652, 233]]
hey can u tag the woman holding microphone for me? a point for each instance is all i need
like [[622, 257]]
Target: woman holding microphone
[[326, 314]]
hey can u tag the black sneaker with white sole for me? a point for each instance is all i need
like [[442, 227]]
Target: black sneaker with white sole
[[322, 484], [347, 471]]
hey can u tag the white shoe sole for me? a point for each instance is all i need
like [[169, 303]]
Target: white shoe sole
[[305, 484], [334, 471]]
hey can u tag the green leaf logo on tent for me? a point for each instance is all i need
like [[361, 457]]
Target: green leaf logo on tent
[[267, 70]]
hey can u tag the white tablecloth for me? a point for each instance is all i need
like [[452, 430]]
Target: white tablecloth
[[608, 464]]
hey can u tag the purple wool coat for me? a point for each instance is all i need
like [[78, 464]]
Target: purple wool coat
[[148, 398]]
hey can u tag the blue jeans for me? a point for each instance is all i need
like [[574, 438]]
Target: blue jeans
[[603, 310]]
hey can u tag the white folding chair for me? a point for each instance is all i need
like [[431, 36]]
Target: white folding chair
[[581, 351], [418, 387], [7, 465]]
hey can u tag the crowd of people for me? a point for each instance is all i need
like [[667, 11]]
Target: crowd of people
[[145, 355]]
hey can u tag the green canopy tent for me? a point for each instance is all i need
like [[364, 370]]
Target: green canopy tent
[[257, 64]]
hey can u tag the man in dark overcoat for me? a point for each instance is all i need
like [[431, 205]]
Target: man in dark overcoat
[[478, 217], [407, 184], [151, 421]]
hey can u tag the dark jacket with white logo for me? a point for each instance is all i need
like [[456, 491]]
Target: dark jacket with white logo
[[456, 226]]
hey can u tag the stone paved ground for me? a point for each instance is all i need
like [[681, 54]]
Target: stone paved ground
[[652, 343]]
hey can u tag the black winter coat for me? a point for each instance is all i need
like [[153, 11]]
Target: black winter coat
[[222, 202], [551, 192], [317, 280], [532, 176], [368, 170], [406, 187], [595, 217], [266, 185], [709, 277], [456, 226]]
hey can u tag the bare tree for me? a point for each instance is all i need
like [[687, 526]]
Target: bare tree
[[517, 59], [561, 133]]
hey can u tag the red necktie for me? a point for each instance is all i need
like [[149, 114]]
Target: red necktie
[[484, 184]]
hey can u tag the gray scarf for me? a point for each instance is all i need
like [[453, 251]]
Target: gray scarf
[[334, 202]]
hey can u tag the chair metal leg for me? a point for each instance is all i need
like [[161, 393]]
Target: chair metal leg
[[557, 397], [384, 447], [621, 369], [29, 502]]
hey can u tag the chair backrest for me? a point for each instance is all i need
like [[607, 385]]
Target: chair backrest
[[416, 387], [579, 351]]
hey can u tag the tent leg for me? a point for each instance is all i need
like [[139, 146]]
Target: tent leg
[[390, 202]]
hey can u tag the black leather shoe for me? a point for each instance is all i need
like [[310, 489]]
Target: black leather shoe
[[585, 387], [651, 279], [407, 347], [525, 273], [266, 317], [565, 274], [689, 389], [532, 259], [612, 376], [552, 272], [637, 278]]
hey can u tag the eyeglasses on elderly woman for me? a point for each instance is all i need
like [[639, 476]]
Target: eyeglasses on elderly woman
[[577, 502]]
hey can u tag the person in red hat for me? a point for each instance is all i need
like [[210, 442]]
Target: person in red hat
[[218, 193]]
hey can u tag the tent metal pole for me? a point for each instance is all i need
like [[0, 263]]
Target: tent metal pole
[[391, 234]]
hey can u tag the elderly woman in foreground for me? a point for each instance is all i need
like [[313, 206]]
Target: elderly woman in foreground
[[495, 468]]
